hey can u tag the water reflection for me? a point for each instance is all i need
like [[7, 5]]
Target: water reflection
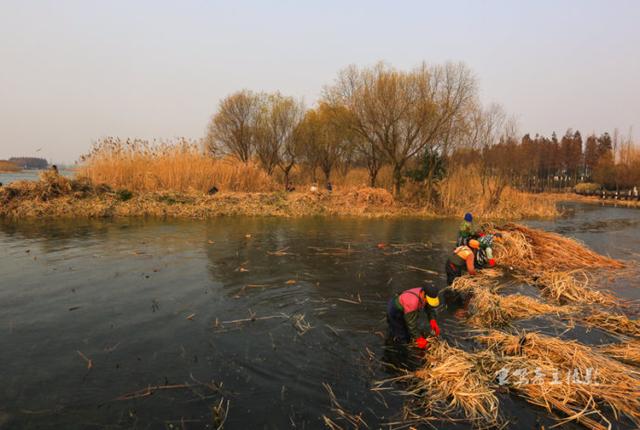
[[147, 302]]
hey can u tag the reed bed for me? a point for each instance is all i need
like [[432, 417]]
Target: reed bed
[[627, 352], [181, 166], [566, 377], [614, 323], [449, 383], [459, 195], [542, 251]]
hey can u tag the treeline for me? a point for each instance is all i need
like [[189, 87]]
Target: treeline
[[542, 164], [421, 124], [29, 162]]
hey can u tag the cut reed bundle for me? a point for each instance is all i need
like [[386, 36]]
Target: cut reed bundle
[[572, 287], [488, 309], [627, 352], [615, 323], [450, 382], [538, 251], [566, 377]]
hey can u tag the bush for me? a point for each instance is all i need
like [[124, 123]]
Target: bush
[[587, 187], [124, 195]]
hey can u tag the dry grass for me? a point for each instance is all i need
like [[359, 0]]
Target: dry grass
[[627, 352], [613, 388], [539, 251], [614, 323], [572, 287], [489, 309], [181, 166], [461, 191], [451, 381]]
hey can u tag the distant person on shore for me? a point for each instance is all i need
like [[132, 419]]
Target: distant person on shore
[[467, 230], [54, 169], [403, 311], [329, 187]]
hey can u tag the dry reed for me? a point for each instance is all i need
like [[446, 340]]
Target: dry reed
[[572, 287], [451, 381], [541, 251], [459, 194], [181, 166], [488, 309], [614, 323], [568, 377], [627, 352]]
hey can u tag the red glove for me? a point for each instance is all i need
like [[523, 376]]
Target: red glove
[[492, 262], [422, 343], [434, 327]]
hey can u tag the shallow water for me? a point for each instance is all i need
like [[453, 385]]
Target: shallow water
[[27, 175], [148, 302]]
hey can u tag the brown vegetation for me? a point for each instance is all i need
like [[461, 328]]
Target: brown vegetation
[[140, 166], [490, 309], [541, 251], [7, 166], [573, 379], [451, 380], [627, 352]]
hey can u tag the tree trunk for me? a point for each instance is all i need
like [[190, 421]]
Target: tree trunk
[[397, 179]]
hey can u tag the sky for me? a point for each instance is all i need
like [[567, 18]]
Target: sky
[[72, 72]]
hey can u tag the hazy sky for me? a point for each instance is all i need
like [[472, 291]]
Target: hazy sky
[[75, 71]]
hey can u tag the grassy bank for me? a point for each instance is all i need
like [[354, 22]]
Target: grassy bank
[[56, 196], [571, 197]]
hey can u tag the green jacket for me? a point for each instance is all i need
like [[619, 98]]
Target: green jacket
[[467, 229], [411, 318]]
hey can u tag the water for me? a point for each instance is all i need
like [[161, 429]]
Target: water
[[147, 300], [27, 175]]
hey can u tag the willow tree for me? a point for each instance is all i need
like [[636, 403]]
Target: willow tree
[[327, 137], [401, 113], [232, 130], [278, 143]]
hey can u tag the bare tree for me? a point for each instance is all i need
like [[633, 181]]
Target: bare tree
[[232, 130], [278, 140], [401, 113]]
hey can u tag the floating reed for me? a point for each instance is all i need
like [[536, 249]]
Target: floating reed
[[615, 323], [540, 251], [565, 376], [451, 381], [627, 352]]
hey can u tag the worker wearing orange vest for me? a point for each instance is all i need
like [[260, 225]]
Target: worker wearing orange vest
[[463, 257]]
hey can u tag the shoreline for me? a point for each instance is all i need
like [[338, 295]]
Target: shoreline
[[365, 203], [55, 196], [597, 200]]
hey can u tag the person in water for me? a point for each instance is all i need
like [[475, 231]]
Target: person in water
[[467, 230], [462, 258], [403, 311]]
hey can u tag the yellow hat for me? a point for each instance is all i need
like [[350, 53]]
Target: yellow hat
[[474, 244], [431, 295], [433, 301]]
